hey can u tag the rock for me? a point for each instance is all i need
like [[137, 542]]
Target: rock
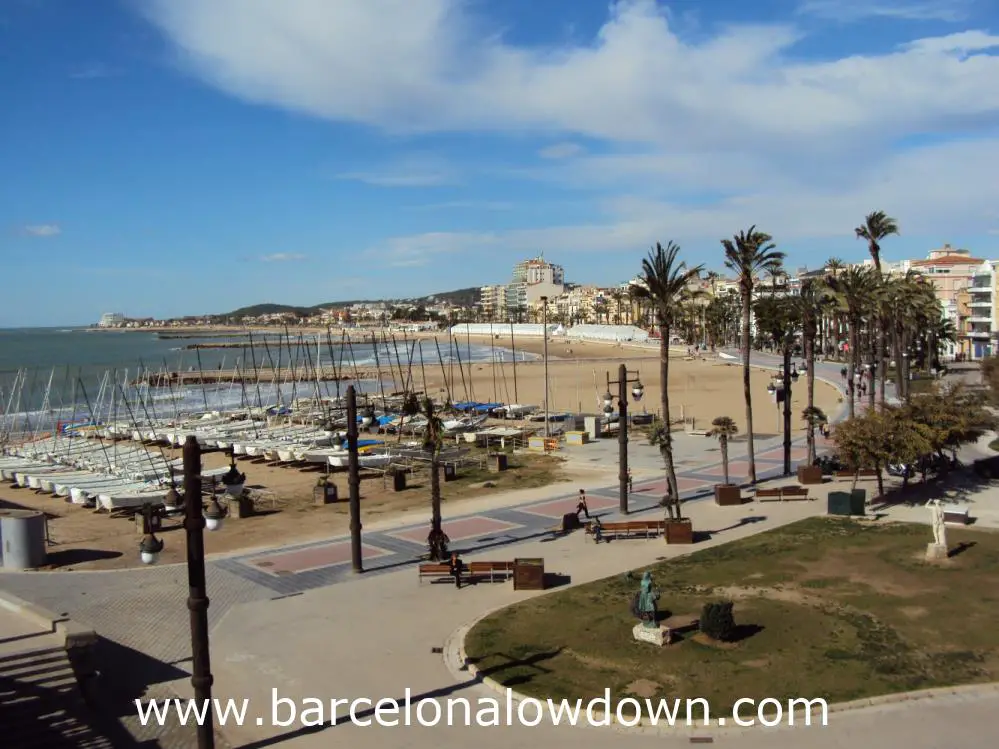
[[657, 636]]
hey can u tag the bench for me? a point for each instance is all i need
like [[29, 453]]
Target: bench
[[772, 495], [435, 571], [493, 571], [782, 494], [956, 514], [864, 473], [793, 492], [628, 528]]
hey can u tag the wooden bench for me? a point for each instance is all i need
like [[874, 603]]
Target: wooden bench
[[765, 495], [628, 528], [435, 571], [793, 492], [493, 571]]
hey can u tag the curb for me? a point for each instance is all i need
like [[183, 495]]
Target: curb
[[456, 661], [73, 634]]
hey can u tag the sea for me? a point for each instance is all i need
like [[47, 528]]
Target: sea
[[52, 375]]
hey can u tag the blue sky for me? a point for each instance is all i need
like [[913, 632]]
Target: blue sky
[[167, 157]]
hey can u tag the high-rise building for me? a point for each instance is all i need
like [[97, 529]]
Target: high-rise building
[[111, 320]]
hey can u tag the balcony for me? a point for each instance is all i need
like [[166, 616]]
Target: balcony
[[979, 334], [980, 302], [980, 320]]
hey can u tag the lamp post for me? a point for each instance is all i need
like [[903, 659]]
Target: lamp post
[[354, 478], [781, 393], [544, 333], [196, 519], [622, 382]]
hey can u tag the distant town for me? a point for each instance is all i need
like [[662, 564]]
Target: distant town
[[538, 292]]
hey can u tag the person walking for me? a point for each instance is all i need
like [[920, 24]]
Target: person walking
[[631, 483], [581, 506], [455, 569]]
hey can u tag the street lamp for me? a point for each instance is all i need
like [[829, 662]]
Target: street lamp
[[637, 392], [196, 519], [544, 333]]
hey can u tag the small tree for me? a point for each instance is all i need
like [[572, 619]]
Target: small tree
[[814, 417], [717, 621], [880, 438], [724, 428]]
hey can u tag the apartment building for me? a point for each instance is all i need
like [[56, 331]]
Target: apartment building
[[982, 333]]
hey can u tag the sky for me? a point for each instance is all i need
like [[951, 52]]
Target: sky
[[170, 157]]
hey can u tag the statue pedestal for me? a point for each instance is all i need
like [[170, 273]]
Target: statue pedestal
[[935, 552], [657, 636]]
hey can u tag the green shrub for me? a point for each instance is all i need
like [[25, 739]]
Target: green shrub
[[717, 621]]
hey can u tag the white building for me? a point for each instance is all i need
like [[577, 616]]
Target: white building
[[111, 320]]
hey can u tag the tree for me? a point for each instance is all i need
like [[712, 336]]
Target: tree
[[881, 438], [852, 292], [778, 320], [811, 302], [724, 428], [748, 254], [665, 286], [814, 418], [876, 227], [433, 439]]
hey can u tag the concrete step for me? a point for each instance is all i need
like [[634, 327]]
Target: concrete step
[[41, 705]]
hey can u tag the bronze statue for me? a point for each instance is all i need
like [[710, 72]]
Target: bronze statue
[[644, 605]]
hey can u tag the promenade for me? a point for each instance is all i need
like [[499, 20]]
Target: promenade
[[297, 620]]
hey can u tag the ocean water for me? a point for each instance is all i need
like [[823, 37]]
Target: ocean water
[[66, 374]]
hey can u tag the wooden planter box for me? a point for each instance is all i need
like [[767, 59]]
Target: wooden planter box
[[809, 474], [727, 495], [497, 462], [679, 532], [325, 495], [398, 481], [240, 507], [528, 574], [448, 472]]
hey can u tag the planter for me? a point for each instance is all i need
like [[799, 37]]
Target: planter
[[679, 532], [398, 481], [809, 474], [325, 495], [234, 490], [448, 472], [727, 495], [528, 574], [240, 507], [847, 504], [497, 462]]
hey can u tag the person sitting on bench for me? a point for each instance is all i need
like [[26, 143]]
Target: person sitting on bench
[[581, 507], [455, 568], [598, 530]]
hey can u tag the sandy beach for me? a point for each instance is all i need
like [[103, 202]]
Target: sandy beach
[[701, 389]]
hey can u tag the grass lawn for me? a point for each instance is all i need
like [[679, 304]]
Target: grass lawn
[[826, 607]]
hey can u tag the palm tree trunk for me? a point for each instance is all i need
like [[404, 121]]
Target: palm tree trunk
[[750, 453], [435, 491], [882, 361], [810, 387], [850, 367], [666, 447], [787, 407], [723, 443]]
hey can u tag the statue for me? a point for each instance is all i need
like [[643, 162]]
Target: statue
[[644, 606], [937, 517]]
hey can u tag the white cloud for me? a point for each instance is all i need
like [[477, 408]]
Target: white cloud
[[429, 65], [950, 11], [412, 171], [282, 257], [702, 137], [561, 151], [42, 230]]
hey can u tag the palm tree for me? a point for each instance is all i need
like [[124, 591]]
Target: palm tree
[[853, 290], [724, 428], [748, 254], [665, 281], [811, 301], [876, 227], [814, 418], [433, 439]]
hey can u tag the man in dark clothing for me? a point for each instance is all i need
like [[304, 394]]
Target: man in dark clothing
[[455, 565]]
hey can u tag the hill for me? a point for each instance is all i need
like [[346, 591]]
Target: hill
[[459, 297]]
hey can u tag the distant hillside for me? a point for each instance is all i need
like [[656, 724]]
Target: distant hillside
[[460, 297]]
